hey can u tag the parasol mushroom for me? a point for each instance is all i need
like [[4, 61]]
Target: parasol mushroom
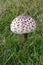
[[23, 24]]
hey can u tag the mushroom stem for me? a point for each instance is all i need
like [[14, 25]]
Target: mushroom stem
[[25, 37]]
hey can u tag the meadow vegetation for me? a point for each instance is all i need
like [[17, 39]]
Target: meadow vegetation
[[12, 49]]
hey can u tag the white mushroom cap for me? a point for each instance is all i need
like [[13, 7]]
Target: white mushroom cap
[[23, 24]]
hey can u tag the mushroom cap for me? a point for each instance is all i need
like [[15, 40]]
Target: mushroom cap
[[23, 24]]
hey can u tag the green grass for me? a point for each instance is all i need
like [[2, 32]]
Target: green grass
[[12, 49]]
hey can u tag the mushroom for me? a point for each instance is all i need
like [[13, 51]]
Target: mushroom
[[23, 24]]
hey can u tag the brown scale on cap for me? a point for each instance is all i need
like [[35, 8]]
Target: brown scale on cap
[[23, 24]]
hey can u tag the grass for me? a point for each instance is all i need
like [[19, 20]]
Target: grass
[[12, 49]]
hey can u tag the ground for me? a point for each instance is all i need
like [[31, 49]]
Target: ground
[[13, 51]]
